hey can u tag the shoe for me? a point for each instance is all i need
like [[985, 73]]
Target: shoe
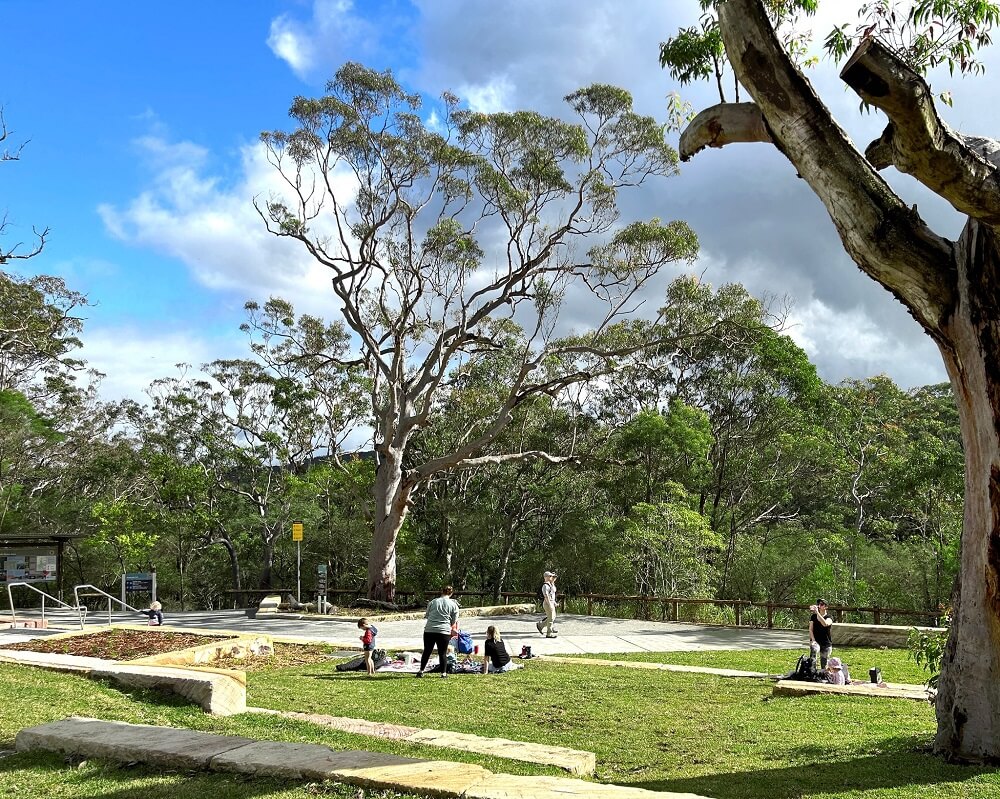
[[551, 635], [538, 626], [444, 674], [419, 674]]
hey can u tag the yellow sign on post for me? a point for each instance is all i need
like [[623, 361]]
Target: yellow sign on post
[[296, 531]]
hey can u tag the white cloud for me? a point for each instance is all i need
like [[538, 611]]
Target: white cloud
[[132, 358], [214, 229], [335, 32], [852, 344], [487, 98], [291, 43]]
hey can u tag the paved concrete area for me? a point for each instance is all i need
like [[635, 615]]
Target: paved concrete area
[[188, 749], [576, 634], [16, 636], [574, 761]]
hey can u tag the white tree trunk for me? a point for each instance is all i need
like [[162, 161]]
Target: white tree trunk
[[968, 702], [951, 288], [392, 504]]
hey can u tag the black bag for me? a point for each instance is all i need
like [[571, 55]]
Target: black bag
[[805, 670], [358, 664]]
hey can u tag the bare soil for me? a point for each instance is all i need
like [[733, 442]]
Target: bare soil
[[118, 644], [285, 656]]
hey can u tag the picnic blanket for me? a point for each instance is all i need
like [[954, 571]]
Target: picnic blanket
[[399, 665]]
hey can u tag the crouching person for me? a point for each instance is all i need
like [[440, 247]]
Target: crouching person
[[154, 614], [496, 658]]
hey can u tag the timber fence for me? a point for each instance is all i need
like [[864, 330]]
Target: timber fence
[[732, 612]]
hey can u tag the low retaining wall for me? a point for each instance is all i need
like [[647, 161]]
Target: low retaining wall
[[207, 654], [875, 635]]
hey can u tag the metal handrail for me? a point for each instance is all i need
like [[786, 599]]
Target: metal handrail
[[76, 596], [79, 610]]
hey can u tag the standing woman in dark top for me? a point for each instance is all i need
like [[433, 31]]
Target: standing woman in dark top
[[820, 640], [496, 658], [441, 617]]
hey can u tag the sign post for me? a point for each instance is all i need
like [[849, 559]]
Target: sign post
[[321, 588], [139, 582], [297, 538]]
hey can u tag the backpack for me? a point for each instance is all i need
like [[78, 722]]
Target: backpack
[[463, 644], [805, 670]]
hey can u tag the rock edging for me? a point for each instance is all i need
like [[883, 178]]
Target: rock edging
[[574, 761], [181, 748]]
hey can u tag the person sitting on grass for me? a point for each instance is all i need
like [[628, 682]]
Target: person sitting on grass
[[496, 658], [368, 643], [154, 614]]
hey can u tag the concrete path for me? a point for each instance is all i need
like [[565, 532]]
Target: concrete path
[[187, 749], [8, 637], [577, 634]]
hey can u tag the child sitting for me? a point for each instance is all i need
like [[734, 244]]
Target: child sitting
[[368, 643], [835, 673]]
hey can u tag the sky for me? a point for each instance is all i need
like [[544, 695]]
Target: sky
[[142, 123]]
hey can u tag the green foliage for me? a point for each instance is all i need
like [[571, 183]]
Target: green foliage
[[927, 650], [924, 33]]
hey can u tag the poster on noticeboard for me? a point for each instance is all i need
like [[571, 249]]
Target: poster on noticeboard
[[27, 565]]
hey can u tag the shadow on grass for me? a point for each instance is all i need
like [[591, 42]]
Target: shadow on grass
[[898, 765], [385, 675]]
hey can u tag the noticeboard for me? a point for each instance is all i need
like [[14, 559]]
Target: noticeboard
[[28, 565], [136, 582]]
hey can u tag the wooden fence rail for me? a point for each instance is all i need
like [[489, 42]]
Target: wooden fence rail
[[667, 608]]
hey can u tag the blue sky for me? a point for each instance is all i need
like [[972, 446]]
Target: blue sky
[[143, 121]]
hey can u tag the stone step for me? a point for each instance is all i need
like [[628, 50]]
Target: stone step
[[885, 691], [181, 748], [574, 761]]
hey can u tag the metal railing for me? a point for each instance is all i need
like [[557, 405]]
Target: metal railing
[[99, 592], [79, 610]]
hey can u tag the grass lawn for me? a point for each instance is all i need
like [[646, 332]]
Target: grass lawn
[[719, 737], [896, 664]]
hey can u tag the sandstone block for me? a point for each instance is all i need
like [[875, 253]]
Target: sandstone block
[[508, 786], [215, 692], [122, 742], [299, 761]]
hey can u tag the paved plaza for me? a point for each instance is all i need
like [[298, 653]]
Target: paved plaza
[[576, 634]]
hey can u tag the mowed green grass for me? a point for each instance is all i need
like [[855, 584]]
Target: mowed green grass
[[718, 737], [896, 664], [715, 736]]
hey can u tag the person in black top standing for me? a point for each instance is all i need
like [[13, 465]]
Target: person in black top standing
[[820, 640], [496, 658]]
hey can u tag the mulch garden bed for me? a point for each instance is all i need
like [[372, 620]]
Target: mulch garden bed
[[117, 644], [285, 656]]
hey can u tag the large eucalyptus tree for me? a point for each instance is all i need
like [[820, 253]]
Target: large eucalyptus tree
[[952, 288], [439, 230]]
